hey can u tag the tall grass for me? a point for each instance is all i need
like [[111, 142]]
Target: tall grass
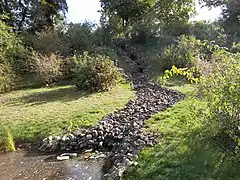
[[6, 139]]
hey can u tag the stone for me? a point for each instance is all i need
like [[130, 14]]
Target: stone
[[61, 158], [89, 136]]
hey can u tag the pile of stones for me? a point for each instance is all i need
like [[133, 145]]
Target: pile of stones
[[121, 132]]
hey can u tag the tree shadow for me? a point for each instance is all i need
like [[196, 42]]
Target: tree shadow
[[63, 94]]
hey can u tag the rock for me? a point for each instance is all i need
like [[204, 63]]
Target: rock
[[89, 136], [69, 154], [61, 158], [88, 150]]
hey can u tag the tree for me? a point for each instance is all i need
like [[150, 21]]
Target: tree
[[33, 14], [127, 10], [230, 13], [168, 11]]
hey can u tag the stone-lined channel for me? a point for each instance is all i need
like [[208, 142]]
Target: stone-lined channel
[[120, 133]]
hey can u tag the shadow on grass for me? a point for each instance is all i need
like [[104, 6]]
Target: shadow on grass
[[185, 159], [63, 94]]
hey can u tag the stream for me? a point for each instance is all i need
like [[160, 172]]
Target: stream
[[35, 166]]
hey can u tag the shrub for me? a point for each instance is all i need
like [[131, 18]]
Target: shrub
[[47, 67], [183, 54], [222, 91], [96, 73]]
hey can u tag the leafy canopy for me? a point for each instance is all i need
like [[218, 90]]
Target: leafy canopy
[[33, 14]]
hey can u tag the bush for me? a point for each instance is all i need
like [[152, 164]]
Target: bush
[[47, 67], [183, 54], [96, 73], [222, 91]]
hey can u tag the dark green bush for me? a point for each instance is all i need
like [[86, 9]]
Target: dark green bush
[[96, 73], [185, 53]]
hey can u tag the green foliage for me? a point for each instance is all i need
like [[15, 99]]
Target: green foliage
[[13, 58], [80, 36], [188, 73], [213, 32], [48, 41], [235, 48], [6, 140], [176, 28], [47, 67], [230, 13], [102, 37], [95, 73], [220, 88], [127, 10], [34, 15], [7, 78], [222, 92], [183, 54], [11, 49], [105, 51]]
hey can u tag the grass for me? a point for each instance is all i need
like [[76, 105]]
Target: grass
[[187, 151], [34, 114]]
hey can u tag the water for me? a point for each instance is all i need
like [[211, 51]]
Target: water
[[23, 165]]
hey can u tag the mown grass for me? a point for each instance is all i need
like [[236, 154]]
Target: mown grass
[[33, 114], [187, 151]]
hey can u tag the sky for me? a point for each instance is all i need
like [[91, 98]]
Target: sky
[[81, 10]]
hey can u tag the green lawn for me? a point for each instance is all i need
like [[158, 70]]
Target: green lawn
[[187, 151], [36, 113]]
